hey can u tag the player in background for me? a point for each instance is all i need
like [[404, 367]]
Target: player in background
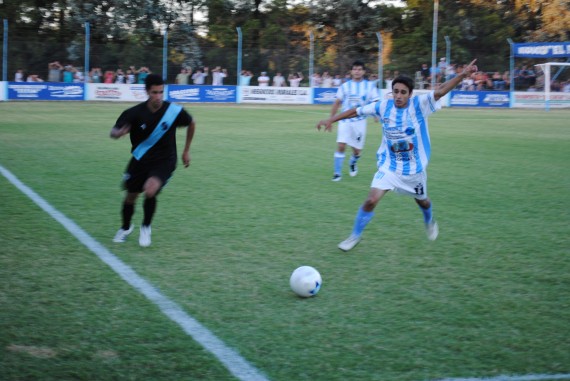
[[356, 92], [405, 149], [152, 129]]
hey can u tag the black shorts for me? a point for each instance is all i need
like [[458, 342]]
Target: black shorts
[[137, 174]]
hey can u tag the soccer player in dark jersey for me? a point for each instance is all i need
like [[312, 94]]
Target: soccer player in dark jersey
[[152, 129]]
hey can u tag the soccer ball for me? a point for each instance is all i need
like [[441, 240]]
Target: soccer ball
[[305, 281]]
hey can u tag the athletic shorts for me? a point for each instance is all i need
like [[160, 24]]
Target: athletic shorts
[[410, 185], [352, 133], [137, 174]]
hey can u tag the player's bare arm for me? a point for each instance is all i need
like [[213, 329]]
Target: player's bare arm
[[327, 123], [117, 132], [189, 136], [446, 87]]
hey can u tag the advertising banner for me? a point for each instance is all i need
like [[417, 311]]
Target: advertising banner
[[115, 92], [479, 99], [531, 99], [203, 94], [324, 95], [3, 91], [46, 91], [285, 95], [542, 50]]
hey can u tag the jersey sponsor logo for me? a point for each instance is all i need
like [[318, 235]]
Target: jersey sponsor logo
[[402, 146]]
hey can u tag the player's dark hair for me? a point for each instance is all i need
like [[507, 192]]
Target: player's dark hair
[[153, 80], [404, 80], [359, 63]]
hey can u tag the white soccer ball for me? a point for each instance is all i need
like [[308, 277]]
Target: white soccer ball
[[305, 281]]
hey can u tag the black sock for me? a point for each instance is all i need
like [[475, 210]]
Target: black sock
[[149, 208], [127, 213]]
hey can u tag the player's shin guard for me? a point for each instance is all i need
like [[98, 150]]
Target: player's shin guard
[[362, 219], [427, 214], [149, 209], [127, 213], [338, 162]]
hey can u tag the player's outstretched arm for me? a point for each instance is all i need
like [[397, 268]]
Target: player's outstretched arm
[[446, 87], [327, 123]]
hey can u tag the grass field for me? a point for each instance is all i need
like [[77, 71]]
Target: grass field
[[490, 297]]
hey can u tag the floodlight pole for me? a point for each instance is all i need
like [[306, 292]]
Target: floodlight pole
[[239, 56], [447, 55], [311, 57], [165, 54], [434, 43], [380, 61], [87, 39], [5, 52], [511, 74]]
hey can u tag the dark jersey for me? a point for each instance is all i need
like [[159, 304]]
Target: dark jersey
[[143, 122]]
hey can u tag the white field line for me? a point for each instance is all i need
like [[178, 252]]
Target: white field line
[[236, 364], [529, 377]]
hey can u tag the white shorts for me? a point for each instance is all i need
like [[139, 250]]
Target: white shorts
[[410, 185], [352, 133]]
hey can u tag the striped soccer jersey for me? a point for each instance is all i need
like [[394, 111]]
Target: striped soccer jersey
[[405, 147], [355, 94]]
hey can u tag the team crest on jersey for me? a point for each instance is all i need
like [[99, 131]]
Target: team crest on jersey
[[410, 131], [164, 126], [143, 126]]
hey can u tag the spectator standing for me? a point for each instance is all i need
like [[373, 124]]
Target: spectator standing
[[95, 76], [279, 80], [337, 81], [263, 79], [199, 77], [120, 76], [109, 77], [218, 75], [142, 73], [245, 77], [182, 77], [295, 79], [54, 71], [19, 76], [326, 80], [68, 74]]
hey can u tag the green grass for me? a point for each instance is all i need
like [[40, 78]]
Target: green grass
[[491, 296]]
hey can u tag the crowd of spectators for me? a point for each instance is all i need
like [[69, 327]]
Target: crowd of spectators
[[525, 78]]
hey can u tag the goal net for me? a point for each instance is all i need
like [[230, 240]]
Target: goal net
[[550, 98]]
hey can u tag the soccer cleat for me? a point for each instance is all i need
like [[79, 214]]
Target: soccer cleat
[[144, 238], [336, 177], [432, 230], [353, 170], [122, 234], [349, 243]]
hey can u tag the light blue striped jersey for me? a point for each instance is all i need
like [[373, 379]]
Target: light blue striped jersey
[[405, 147], [355, 94]]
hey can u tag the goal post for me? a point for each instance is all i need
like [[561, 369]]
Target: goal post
[[545, 67]]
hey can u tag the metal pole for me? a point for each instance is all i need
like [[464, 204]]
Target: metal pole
[[380, 62], [511, 74], [239, 56], [311, 58], [447, 55], [5, 53], [164, 54], [87, 39], [434, 43]]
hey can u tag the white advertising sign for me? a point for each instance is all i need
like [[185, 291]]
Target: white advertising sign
[[3, 90], [115, 92], [266, 94]]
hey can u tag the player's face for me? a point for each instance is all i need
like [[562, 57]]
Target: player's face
[[401, 95], [155, 95], [357, 73]]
